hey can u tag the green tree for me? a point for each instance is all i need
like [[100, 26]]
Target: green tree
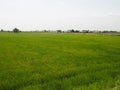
[[16, 30], [2, 30]]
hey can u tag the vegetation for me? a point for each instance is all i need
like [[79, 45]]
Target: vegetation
[[59, 61], [2, 30], [16, 30]]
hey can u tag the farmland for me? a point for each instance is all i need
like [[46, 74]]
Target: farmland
[[59, 61]]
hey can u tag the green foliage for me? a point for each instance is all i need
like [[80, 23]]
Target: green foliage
[[15, 30], [50, 61]]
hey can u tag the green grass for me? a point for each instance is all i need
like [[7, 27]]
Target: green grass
[[50, 61]]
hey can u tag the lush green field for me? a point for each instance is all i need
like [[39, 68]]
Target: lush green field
[[50, 61]]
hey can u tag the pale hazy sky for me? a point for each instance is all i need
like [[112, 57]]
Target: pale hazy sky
[[60, 14]]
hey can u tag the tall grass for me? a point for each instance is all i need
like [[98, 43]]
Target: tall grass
[[50, 61]]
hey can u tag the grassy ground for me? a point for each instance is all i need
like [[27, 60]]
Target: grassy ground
[[50, 61]]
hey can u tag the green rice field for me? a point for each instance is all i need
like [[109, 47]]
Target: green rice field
[[59, 61]]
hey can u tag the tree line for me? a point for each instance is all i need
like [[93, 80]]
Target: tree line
[[16, 30]]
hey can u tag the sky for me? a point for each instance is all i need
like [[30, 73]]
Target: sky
[[60, 14]]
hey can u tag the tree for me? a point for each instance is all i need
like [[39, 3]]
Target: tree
[[71, 31], [16, 30], [59, 31], [76, 31], [85, 31], [2, 30]]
